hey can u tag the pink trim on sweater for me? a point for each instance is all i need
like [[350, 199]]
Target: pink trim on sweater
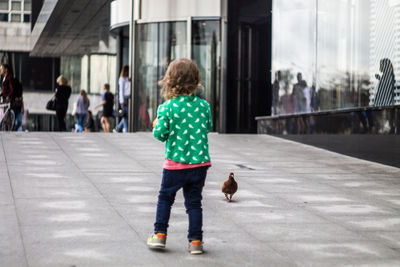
[[173, 165]]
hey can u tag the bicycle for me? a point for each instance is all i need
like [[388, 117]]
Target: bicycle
[[7, 117]]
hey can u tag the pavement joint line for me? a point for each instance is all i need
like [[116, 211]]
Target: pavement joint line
[[13, 198]]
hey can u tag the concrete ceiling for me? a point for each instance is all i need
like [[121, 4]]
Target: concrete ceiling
[[70, 27]]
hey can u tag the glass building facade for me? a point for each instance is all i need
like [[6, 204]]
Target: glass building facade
[[159, 43], [335, 55], [15, 11]]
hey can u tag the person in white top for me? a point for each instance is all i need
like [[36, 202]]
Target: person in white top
[[124, 96]]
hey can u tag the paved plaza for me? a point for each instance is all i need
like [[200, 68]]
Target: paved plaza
[[89, 200]]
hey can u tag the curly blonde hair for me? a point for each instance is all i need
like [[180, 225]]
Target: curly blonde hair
[[182, 78]]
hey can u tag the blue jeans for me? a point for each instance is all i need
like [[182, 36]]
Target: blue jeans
[[192, 182], [18, 120], [81, 122], [124, 120]]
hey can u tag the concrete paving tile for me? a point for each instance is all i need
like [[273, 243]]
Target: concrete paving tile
[[355, 209], [65, 217], [11, 252], [336, 253], [77, 234], [274, 216], [11, 248], [133, 253], [370, 223], [302, 232], [122, 178], [60, 204], [55, 192], [390, 239], [6, 195], [61, 183], [318, 198]]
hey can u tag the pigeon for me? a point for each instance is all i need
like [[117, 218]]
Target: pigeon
[[229, 187]]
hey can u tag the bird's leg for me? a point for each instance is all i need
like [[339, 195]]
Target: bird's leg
[[226, 195], [230, 198]]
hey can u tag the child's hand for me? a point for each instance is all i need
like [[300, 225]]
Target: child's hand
[[155, 122]]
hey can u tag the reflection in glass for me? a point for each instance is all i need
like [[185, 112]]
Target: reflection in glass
[[27, 6], [15, 6], [386, 86], [15, 18], [206, 54], [157, 45], [293, 52], [345, 51], [172, 45], [102, 70], [4, 5]]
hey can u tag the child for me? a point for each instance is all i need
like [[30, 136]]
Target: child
[[183, 121]]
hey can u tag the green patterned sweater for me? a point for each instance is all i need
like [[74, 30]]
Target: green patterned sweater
[[184, 122]]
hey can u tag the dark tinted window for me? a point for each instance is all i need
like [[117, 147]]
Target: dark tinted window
[[3, 17]]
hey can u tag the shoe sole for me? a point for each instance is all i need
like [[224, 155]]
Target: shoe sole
[[156, 245], [196, 252]]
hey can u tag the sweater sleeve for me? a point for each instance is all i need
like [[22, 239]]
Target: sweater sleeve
[[161, 131]]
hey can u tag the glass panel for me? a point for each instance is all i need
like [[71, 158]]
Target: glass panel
[[4, 5], [71, 69], [3, 17], [172, 45], [384, 59], [293, 52], [15, 18], [157, 44], [16, 6], [356, 57], [206, 53], [343, 53], [27, 6], [27, 18], [146, 73], [102, 70]]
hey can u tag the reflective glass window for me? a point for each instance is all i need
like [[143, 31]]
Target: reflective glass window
[[27, 6], [206, 53], [15, 18], [293, 53], [4, 5], [343, 53], [16, 5], [27, 18], [146, 73], [347, 52], [157, 45], [3, 17]]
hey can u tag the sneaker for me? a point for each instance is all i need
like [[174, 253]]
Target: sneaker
[[196, 247], [157, 241]]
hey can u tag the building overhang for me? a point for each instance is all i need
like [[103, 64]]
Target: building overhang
[[70, 27]]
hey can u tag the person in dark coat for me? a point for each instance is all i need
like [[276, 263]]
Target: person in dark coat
[[7, 88], [63, 92], [385, 93]]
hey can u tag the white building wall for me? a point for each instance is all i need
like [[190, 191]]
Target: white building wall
[[161, 10], [15, 36]]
